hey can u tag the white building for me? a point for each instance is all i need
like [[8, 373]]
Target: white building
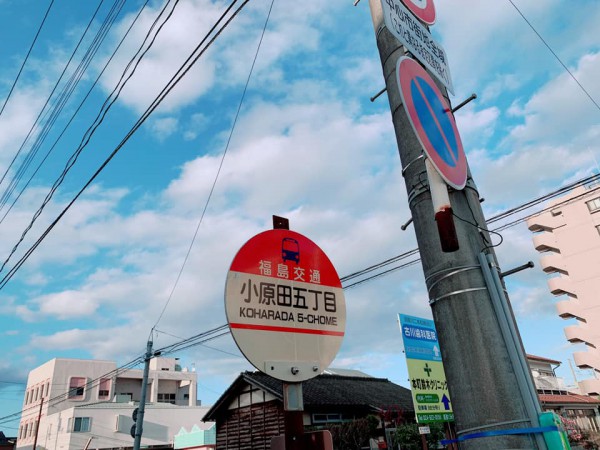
[[81, 403]]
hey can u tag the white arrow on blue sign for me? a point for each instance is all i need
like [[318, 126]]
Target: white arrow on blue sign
[[420, 338]]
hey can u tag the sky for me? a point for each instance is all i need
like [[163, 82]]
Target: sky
[[308, 144]]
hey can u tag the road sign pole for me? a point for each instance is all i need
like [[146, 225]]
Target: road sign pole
[[292, 392], [481, 377]]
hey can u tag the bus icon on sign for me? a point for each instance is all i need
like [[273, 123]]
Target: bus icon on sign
[[290, 250]]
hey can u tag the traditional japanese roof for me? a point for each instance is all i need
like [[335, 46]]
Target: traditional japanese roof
[[326, 390], [569, 399], [542, 359]]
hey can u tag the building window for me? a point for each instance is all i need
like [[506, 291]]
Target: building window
[[593, 205], [327, 418], [76, 388], [80, 424], [166, 398], [104, 388]]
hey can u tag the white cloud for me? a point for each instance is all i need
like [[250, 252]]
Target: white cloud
[[164, 127], [475, 124], [175, 42], [560, 111]]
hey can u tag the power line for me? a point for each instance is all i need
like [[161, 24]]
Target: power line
[[503, 215], [166, 90], [31, 130], [84, 142], [51, 116], [110, 100], [212, 188], [555, 55], [75, 113], [26, 57]]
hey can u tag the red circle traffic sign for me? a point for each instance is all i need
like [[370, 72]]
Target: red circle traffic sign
[[285, 305], [433, 121], [424, 10]]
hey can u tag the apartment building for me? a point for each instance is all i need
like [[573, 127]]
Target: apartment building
[[568, 237], [74, 404]]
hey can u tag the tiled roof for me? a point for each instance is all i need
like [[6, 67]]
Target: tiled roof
[[341, 390], [568, 399], [328, 390]]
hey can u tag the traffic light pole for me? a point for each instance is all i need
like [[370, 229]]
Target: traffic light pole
[[485, 372], [139, 420]]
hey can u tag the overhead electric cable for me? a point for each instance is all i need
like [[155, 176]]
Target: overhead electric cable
[[214, 184], [76, 112], [177, 77], [54, 112], [556, 56], [26, 57], [52, 92], [86, 139]]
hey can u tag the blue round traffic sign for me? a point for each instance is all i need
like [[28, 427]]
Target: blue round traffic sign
[[433, 122]]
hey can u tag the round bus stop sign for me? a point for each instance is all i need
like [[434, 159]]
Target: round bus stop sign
[[285, 305]]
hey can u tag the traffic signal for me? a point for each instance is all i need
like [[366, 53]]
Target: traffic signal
[[134, 416]]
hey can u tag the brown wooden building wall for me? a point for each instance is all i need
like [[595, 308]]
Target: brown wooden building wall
[[250, 427]]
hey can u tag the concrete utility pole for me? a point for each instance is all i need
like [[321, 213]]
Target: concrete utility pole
[[139, 419], [489, 382]]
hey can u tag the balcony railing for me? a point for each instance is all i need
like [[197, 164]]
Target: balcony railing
[[561, 285], [546, 222], [553, 262], [586, 360], [590, 386], [569, 309], [549, 383], [576, 334]]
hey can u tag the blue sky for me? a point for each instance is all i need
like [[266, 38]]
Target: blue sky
[[308, 145]]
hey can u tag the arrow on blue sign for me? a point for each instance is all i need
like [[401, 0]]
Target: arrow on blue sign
[[446, 402]]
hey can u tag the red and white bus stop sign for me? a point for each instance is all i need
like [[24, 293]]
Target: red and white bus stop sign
[[433, 121], [424, 10], [285, 305]]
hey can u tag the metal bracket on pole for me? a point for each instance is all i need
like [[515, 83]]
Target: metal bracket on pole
[[405, 168], [376, 96], [460, 105], [405, 226], [527, 265]]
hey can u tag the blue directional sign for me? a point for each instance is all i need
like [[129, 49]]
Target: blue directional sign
[[433, 122], [420, 338]]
